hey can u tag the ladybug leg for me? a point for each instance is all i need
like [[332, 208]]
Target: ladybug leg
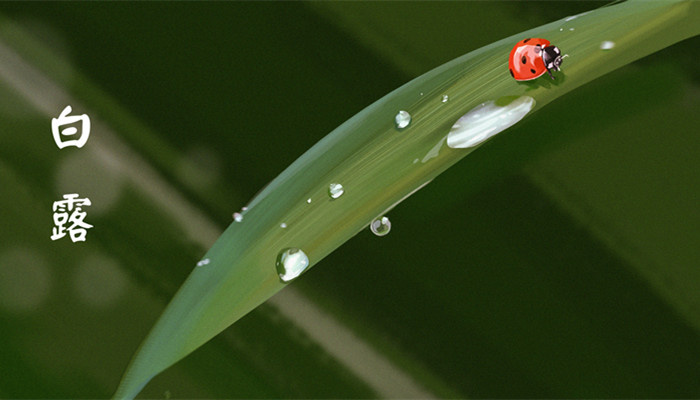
[[550, 73]]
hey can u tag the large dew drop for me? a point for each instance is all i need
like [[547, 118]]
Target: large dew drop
[[380, 226], [402, 119], [335, 190], [486, 120], [291, 263]]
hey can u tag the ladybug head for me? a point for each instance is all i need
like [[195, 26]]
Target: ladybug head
[[552, 58]]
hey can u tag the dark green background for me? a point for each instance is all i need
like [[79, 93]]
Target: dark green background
[[559, 260]]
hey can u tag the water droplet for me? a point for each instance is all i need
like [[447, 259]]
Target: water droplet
[[283, 225], [486, 120], [403, 118], [607, 45], [571, 29], [561, 29], [238, 217], [203, 262], [244, 209], [335, 190], [291, 262], [308, 200], [380, 226], [445, 98]]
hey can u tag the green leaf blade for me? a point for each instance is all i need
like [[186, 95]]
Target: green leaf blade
[[380, 165]]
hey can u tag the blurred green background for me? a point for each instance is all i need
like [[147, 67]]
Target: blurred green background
[[561, 259]]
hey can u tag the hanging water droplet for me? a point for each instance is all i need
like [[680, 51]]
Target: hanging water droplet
[[291, 262], [203, 262], [380, 226], [283, 225], [607, 45], [238, 217], [335, 190], [403, 118], [445, 98]]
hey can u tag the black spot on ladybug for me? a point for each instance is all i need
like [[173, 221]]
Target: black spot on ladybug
[[511, 72], [524, 60], [526, 40], [533, 71]]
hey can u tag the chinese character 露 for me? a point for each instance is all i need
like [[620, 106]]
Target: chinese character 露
[[64, 128], [69, 212]]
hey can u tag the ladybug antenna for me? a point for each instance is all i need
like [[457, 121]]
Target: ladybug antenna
[[558, 61]]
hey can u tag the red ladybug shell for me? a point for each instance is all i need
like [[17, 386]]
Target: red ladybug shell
[[525, 62]]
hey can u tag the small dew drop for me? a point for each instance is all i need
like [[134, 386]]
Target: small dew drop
[[561, 29], [238, 217], [403, 118], [308, 200], [203, 262], [244, 209], [380, 226], [571, 29], [607, 45], [291, 262], [283, 225], [335, 190], [445, 98]]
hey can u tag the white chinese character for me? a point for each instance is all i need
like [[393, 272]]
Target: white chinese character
[[69, 211], [60, 136]]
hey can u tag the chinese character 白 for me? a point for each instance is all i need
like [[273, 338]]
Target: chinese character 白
[[69, 212], [64, 127]]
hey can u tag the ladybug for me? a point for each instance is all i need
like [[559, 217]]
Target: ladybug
[[532, 57]]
